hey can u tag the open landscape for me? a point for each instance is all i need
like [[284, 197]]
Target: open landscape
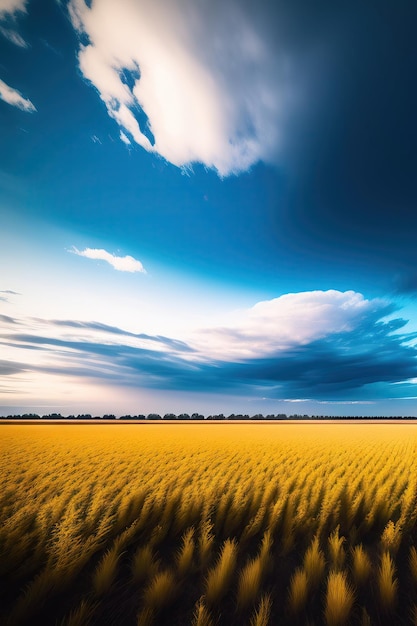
[[208, 313], [203, 524]]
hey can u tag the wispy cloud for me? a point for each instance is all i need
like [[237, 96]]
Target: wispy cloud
[[207, 76], [7, 319], [119, 263], [13, 36], [125, 139], [9, 293], [8, 368], [14, 98], [114, 330], [9, 10]]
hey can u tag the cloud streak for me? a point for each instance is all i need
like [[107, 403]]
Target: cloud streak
[[119, 263], [97, 326], [15, 98], [13, 36], [7, 319]]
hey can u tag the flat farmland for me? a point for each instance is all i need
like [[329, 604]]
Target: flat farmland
[[203, 524]]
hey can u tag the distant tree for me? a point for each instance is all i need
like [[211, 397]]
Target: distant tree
[[109, 417], [154, 416], [169, 416], [183, 416], [197, 416]]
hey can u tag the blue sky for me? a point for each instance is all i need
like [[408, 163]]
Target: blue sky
[[208, 206]]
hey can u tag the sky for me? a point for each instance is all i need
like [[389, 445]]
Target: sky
[[208, 206]]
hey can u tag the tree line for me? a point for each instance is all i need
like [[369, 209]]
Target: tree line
[[168, 417]]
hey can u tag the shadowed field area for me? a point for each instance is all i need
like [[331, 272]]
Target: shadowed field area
[[203, 525]]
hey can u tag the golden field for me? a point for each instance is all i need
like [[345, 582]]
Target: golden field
[[205, 524]]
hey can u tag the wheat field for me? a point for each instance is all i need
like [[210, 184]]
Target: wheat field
[[208, 524]]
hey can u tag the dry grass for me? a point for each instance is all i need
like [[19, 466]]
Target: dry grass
[[205, 543], [161, 591], [387, 583], [263, 612], [391, 538], [220, 576], [81, 616], [144, 564], [186, 553], [201, 615], [314, 563], [298, 592], [361, 566], [339, 599], [250, 580], [337, 553], [105, 572], [223, 517]]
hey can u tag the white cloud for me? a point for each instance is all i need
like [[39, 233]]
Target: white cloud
[[206, 75], [291, 320], [125, 139], [13, 36], [8, 11], [12, 6], [120, 263], [15, 98]]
